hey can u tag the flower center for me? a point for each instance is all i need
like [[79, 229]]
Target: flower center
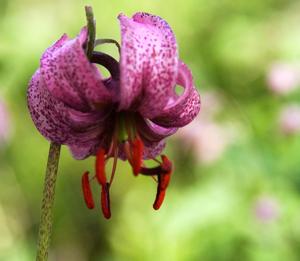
[[125, 139]]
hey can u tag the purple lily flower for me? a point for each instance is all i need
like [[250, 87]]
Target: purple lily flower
[[127, 115]]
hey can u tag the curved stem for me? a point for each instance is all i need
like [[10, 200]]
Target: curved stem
[[47, 203], [91, 26], [108, 62], [104, 41]]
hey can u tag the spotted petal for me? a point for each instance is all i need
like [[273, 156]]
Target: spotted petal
[[149, 63], [70, 77], [183, 109], [153, 149], [83, 150], [152, 132], [55, 120]]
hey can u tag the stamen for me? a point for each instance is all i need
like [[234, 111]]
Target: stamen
[[156, 160], [87, 192], [163, 181], [151, 171], [164, 168], [128, 152], [100, 166], [111, 148], [160, 196], [166, 164], [105, 201], [137, 150], [114, 167], [154, 178], [130, 127]]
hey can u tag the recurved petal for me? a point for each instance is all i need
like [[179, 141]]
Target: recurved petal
[[44, 111], [153, 149], [152, 132], [149, 62], [54, 119], [83, 150], [70, 77], [184, 108], [81, 121]]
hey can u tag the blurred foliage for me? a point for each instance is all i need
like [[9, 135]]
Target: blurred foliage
[[210, 210]]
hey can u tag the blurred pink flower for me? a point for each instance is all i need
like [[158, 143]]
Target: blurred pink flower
[[207, 139], [5, 124], [266, 209], [211, 105], [289, 119], [283, 78]]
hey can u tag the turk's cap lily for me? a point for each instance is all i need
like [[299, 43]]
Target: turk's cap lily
[[127, 115]]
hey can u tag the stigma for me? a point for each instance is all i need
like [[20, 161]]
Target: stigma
[[125, 135]]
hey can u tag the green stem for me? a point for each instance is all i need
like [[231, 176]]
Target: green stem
[[47, 203], [52, 165], [104, 41], [91, 26]]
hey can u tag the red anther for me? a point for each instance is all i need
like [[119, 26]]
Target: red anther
[[105, 202], [166, 164], [87, 192], [100, 166], [160, 195], [163, 181], [137, 150]]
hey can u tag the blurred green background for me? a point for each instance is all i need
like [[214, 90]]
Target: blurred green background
[[235, 192]]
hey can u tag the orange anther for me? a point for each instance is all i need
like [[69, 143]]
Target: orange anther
[[137, 150], [160, 195], [163, 181], [87, 192], [105, 201], [100, 166]]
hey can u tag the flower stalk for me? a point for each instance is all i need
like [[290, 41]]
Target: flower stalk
[[47, 203], [45, 227], [91, 25]]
